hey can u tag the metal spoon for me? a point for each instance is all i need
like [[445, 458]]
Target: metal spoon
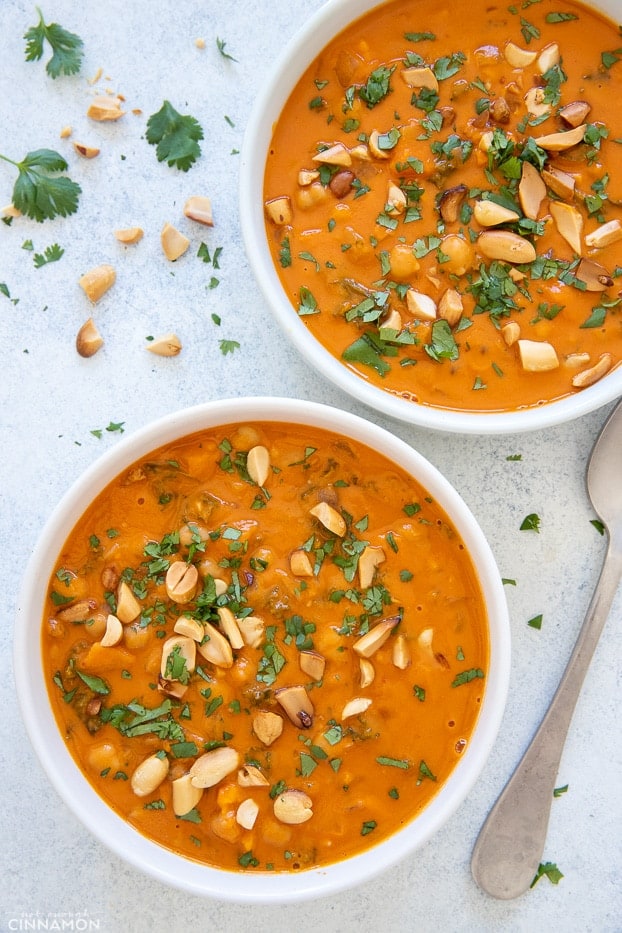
[[510, 844]]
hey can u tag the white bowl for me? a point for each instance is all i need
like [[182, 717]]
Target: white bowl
[[81, 798], [308, 42]]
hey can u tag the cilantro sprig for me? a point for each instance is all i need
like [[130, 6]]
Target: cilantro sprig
[[39, 192], [67, 47], [175, 136]]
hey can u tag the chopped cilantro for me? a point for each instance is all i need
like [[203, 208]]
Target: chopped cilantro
[[50, 254], [221, 46], [551, 871], [531, 522]]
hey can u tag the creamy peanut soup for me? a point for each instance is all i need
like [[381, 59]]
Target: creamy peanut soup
[[266, 646], [443, 199]]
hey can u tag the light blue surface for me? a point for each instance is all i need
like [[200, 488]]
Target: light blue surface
[[51, 401]]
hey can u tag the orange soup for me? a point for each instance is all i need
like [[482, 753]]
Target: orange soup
[[443, 199], [266, 646]]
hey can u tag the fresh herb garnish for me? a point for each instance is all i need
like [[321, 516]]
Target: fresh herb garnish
[[39, 192], [551, 871], [176, 137], [67, 47], [465, 677], [50, 254], [531, 522], [221, 46]]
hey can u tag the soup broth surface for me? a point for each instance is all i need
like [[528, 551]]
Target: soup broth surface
[[265, 646]]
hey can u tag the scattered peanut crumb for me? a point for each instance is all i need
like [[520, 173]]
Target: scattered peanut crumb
[[65, 133], [96, 76], [200, 43], [87, 152]]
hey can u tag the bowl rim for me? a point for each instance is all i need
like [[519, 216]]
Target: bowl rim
[[295, 57], [64, 774]]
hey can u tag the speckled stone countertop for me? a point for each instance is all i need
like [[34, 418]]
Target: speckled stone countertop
[[57, 411]]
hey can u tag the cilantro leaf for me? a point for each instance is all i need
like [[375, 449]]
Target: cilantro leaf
[[228, 346], [221, 45], [531, 522], [551, 871], [50, 254], [39, 195], [176, 137], [377, 86], [67, 47], [443, 344]]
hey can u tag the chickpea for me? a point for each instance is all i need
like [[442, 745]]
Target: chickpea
[[188, 533], [245, 437], [96, 625], [310, 196], [404, 263], [105, 755], [460, 253], [136, 637]]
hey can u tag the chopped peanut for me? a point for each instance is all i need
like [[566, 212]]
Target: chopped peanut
[[174, 243]]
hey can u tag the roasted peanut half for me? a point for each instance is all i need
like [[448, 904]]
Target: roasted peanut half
[[297, 704], [213, 766], [199, 208], [506, 246], [258, 464], [185, 795], [537, 356], [330, 518], [128, 607], [87, 152], [181, 581], [113, 633], [267, 726], [174, 243], [312, 663], [368, 644], [214, 647], [167, 345], [229, 625], [129, 235], [355, 707], [103, 108], [89, 340], [589, 376], [293, 807], [97, 281], [149, 774]]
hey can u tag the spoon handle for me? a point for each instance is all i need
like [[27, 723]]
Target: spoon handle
[[509, 848]]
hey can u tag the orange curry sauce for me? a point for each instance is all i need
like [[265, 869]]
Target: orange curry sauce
[[390, 175], [387, 660]]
